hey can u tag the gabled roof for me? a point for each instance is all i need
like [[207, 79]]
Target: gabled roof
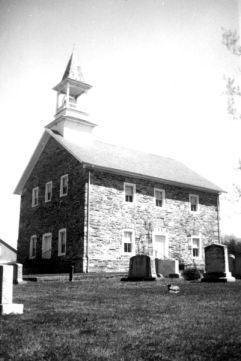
[[8, 246], [124, 161]]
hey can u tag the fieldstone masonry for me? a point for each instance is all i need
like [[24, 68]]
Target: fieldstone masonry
[[6, 292], [216, 264]]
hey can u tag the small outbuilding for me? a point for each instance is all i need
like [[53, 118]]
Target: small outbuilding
[[7, 253]]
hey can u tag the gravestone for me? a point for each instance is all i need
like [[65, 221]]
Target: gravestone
[[231, 263], [167, 267], [6, 292], [238, 266], [141, 268], [216, 264]]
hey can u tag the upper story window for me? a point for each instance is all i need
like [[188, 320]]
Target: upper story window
[[62, 242], [159, 195], [48, 191], [35, 193], [128, 238], [130, 190], [64, 180], [33, 247], [194, 202], [196, 247]]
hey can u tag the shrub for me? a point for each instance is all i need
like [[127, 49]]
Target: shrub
[[191, 274]]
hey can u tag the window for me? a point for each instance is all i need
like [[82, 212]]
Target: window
[[159, 195], [35, 192], [62, 242], [194, 201], [64, 180], [128, 242], [196, 247], [33, 247], [46, 245], [48, 191], [130, 190]]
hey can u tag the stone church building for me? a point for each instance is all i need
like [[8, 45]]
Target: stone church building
[[94, 205]]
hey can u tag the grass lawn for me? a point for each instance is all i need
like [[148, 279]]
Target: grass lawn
[[105, 319]]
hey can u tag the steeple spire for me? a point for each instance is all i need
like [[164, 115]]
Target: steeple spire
[[68, 106], [73, 69]]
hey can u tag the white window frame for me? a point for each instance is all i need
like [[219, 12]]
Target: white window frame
[[33, 247], [46, 235], [134, 192], [132, 242], [35, 196], [62, 231], [163, 197], [158, 233], [65, 176], [190, 204], [199, 248], [46, 191]]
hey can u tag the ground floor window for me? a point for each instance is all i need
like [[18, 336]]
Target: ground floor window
[[46, 245], [196, 247], [128, 241], [62, 242], [33, 247]]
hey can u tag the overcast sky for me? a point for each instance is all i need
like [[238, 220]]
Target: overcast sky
[[156, 68]]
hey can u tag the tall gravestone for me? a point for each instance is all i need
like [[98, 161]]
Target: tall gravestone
[[216, 264], [141, 268], [6, 292]]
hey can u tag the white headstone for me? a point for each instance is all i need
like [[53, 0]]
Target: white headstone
[[6, 292]]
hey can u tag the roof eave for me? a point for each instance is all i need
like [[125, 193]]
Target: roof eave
[[143, 176]]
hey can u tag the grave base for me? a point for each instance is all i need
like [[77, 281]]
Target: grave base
[[137, 279], [11, 309], [218, 277]]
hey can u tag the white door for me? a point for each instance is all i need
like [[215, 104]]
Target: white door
[[46, 245], [160, 247]]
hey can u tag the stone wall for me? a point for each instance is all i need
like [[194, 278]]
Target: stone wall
[[61, 212], [110, 215]]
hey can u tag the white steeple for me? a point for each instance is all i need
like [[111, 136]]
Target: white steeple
[[70, 120]]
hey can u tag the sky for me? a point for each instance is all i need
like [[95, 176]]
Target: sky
[[157, 70]]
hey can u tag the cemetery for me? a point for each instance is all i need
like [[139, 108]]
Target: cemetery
[[98, 317]]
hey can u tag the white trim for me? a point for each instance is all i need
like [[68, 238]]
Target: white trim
[[163, 234], [44, 251], [65, 176], [134, 191], [33, 246], [199, 248], [163, 197], [132, 242], [197, 197], [46, 191], [64, 231], [35, 198]]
